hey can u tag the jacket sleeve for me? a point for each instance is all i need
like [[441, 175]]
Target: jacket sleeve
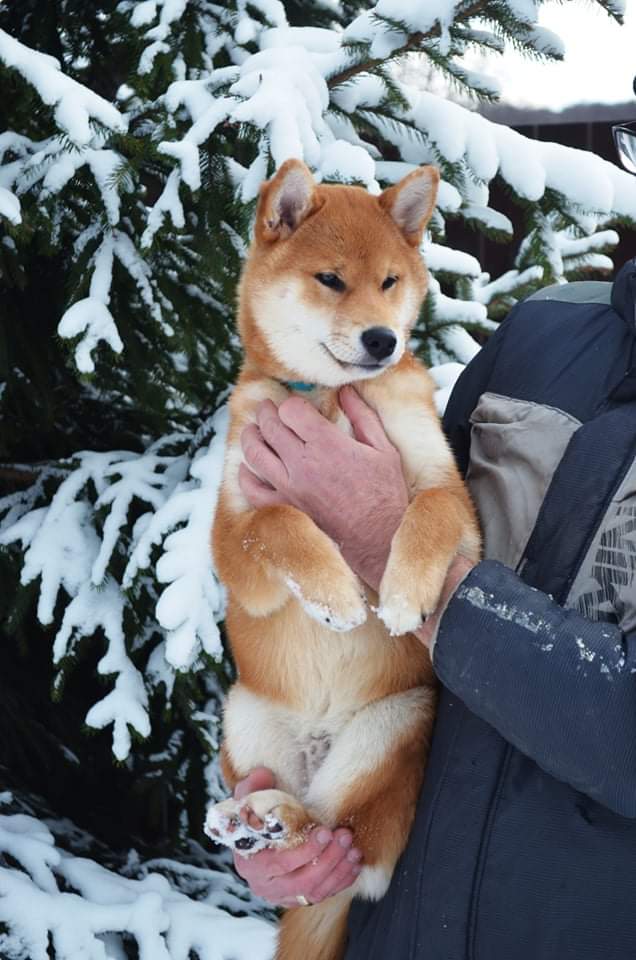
[[559, 687]]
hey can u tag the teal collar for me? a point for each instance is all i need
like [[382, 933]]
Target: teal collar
[[298, 385]]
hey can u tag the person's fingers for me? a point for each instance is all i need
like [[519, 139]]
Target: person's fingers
[[305, 421], [312, 875], [367, 426], [278, 863], [342, 876], [260, 778], [257, 492], [261, 458], [283, 441]]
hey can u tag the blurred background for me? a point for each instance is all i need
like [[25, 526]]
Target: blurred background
[[574, 102]]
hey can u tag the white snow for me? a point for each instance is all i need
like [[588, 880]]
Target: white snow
[[345, 162], [66, 552], [382, 38], [10, 206], [207, 117], [75, 105], [503, 611], [445, 376], [90, 318], [269, 79], [491, 219], [104, 164], [193, 600], [485, 290], [418, 17], [447, 260], [322, 612], [143, 13], [168, 202], [87, 911], [148, 57]]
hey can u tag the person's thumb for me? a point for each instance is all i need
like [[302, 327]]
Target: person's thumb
[[260, 778], [367, 426]]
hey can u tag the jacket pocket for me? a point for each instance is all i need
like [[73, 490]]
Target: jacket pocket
[[515, 447]]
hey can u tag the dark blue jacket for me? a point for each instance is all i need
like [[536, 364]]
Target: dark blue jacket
[[524, 845]]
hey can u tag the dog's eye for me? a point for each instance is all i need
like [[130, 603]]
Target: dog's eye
[[389, 282], [330, 280]]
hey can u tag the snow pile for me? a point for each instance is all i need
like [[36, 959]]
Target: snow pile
[[50, 898], [75, 558]]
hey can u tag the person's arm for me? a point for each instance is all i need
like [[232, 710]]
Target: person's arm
[[559, 687]]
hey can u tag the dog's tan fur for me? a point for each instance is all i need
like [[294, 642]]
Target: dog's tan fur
[[343, 719]]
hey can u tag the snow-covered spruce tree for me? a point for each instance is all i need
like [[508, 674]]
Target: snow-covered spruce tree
[[136, 135]]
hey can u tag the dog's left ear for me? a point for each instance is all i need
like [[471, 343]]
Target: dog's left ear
[[285, 201], [411, 201]]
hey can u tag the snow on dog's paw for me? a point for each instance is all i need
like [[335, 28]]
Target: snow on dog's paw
[[399, 615], [343, 610], [264, 819], [407, 599]]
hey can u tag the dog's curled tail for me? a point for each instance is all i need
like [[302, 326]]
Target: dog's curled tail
[[318, 932]]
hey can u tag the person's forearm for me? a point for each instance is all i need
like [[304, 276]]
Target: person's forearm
[[559, 687]]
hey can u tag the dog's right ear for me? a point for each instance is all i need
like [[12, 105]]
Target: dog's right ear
[[284, 201]]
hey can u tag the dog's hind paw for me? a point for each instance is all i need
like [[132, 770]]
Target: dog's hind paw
[[263, 819]]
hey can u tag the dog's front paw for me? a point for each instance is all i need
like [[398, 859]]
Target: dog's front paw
[[338, 604], [263, 819], [408, 597]]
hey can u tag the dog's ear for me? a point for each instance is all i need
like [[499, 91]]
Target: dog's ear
[[411, 201], [285, 201]]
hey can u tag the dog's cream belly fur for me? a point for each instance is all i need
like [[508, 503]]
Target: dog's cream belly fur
[[317, 757], [294, 660], [311, 739]]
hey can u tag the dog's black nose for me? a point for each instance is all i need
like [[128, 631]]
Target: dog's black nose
[[379, 342]]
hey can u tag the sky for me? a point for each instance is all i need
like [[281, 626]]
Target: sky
[[599, 65]]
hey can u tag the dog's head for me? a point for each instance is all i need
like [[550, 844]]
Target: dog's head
[[334, 278]]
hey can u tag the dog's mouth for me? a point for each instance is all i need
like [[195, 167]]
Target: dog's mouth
[[346, 365]]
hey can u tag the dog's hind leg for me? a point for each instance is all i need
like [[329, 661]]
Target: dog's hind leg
[[374, 790]]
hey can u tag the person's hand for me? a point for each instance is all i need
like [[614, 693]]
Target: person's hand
[[458, 570], [352, 487], [322, 866]]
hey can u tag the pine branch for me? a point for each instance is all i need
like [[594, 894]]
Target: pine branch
[[413, 43]]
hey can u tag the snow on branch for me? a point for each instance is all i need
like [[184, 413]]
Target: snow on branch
[[69, 554], [52, 899], [75, 105], [71, 543], [10, 206], [193, 601], [89, 318]]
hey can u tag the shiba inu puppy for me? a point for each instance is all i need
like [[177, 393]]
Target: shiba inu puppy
[[334, 694]]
